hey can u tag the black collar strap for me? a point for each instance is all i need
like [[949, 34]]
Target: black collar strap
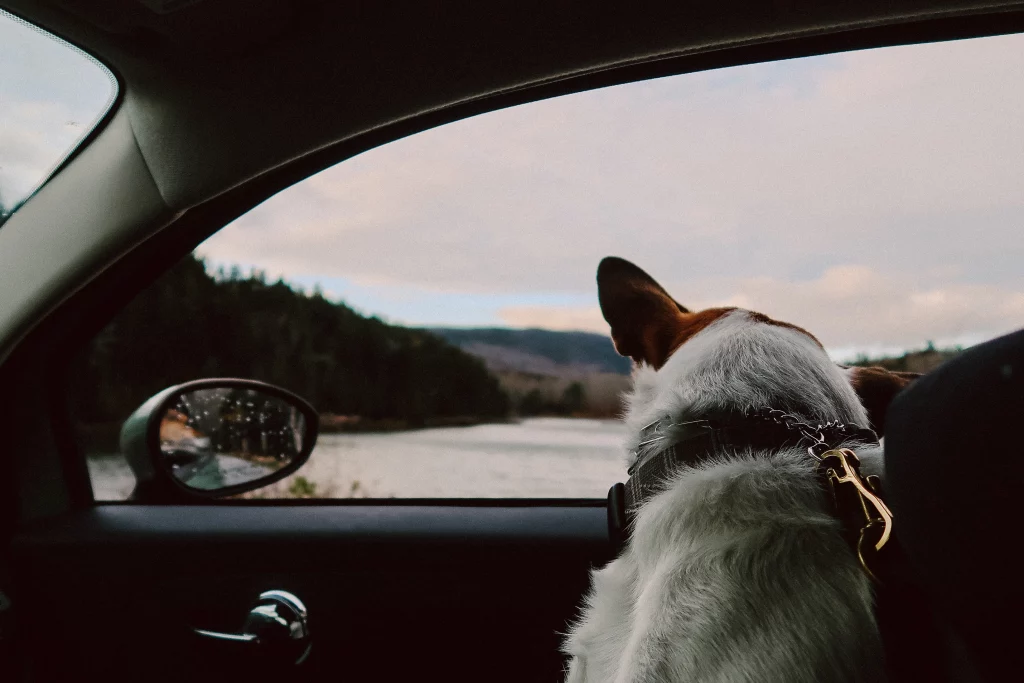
[[665, 446]]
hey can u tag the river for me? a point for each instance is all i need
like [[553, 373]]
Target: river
[[534, 458]]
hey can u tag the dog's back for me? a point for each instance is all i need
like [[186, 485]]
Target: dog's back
[[735, 571]]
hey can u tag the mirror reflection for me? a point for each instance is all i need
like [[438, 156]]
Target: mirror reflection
[[219, 437]]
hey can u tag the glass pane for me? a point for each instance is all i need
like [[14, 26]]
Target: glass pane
[[215, 438], [434, 298], [51, 96]]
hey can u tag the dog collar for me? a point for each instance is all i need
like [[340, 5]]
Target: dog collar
[[666, 445]]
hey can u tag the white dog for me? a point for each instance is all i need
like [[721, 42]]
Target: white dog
[[735, 570]]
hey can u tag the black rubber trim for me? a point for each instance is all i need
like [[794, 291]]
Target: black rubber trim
[[138, 525], [385, 502]]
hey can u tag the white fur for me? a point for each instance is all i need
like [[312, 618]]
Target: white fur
[[735, 571]]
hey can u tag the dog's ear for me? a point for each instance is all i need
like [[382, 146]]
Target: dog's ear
[[645, 320], [876, 388]]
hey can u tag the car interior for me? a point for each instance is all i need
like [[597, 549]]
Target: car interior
[[221, 105]]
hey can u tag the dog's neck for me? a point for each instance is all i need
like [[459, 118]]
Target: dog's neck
[[739, 364]]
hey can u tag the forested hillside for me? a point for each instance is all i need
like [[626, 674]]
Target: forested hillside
[[190, 324], [548, 372], [547, 352]]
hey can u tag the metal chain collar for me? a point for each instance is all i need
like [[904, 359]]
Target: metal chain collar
[[819, 435], [866, 519]]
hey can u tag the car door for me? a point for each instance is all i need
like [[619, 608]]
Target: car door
[[129, 590], [398, 589], [395, 589], [392, 592], [121, 590]]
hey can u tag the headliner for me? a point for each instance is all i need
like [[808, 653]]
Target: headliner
[[220, 91]]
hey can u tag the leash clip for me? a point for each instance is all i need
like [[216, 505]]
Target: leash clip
[[817, 449], [863, 513]]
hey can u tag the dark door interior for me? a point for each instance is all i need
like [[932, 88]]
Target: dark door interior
[[394, 592]]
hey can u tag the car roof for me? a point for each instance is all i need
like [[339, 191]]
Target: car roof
[[219, 91]]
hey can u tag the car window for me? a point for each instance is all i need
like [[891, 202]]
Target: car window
[[434, 298], [52, 95]]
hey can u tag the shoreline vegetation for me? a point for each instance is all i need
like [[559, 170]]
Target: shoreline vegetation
[[920, 360], [572, 403], [355, 424]]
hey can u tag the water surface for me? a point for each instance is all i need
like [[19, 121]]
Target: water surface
[[540, 457]]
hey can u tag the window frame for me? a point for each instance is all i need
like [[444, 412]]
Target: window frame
[[63, 333]]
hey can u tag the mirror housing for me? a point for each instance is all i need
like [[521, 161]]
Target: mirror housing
[[212, 438]]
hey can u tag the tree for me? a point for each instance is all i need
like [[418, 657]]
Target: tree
[[190, 324], [532, 403], [573, 398]]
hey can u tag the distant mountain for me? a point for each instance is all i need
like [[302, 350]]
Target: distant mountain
[[550, 373], [539, 352]]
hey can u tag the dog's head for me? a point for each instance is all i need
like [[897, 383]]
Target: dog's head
[[651, 327]]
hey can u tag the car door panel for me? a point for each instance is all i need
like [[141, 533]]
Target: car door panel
[[393, 591]]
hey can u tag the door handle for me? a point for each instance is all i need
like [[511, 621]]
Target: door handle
[[278, 622]]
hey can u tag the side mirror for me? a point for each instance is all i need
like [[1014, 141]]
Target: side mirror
[[216, 437]]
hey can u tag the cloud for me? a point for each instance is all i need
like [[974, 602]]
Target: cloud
[[51, 95], [858, 306], [907, 161], [575, 318], [849, 307], [30, 149]]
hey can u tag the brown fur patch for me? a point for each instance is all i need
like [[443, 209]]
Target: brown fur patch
[[688, 324], [876, 388], [762, 318], [645, 331], [685, 326]]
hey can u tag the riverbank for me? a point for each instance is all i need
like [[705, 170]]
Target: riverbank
[[105, 437], [356, 424]]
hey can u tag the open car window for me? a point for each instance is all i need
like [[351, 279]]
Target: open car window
[[52, 95], [434, 298]]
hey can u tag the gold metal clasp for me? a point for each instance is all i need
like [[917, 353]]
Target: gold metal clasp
[[857, 503]]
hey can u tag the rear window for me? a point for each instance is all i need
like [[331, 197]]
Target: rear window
[[52, 95]]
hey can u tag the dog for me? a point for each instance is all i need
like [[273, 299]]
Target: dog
[[735, 569]]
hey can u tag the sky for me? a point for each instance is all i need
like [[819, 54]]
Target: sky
[[873, 198], [51, 96]]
